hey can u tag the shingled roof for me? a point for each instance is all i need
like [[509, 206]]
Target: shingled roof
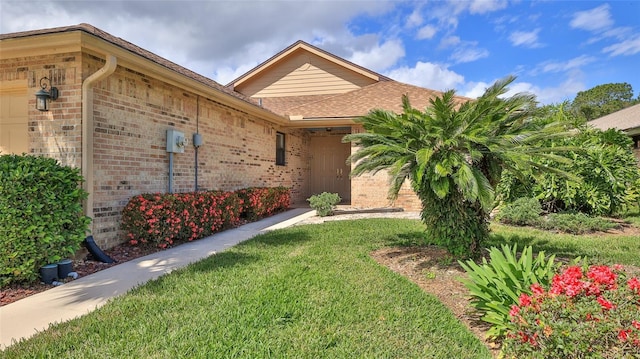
[[385, 95], [626, 119]]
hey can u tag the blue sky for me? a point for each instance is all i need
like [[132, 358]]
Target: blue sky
[[555, 48]]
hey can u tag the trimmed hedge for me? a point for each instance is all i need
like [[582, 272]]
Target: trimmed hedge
[[164, 219], [41, 220], [262, 202]]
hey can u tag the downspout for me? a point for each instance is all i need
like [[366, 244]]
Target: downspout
[[87, 130]]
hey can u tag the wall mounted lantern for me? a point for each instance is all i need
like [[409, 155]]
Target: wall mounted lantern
[[43, 96]]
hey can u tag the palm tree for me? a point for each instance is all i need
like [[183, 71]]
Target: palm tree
[[453, 154]]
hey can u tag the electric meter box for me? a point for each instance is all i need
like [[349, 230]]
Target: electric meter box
[[175, 141]]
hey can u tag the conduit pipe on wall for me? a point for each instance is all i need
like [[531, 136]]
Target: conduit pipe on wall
[[87, 129]]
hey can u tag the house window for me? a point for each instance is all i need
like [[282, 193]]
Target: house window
[[280, 149]]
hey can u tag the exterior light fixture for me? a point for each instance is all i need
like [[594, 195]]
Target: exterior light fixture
[[43, 96]]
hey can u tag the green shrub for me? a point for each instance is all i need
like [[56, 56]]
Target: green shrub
[[264, 201], [602, 160], [41, 219], [522, 212], [576, 223], [324, 203], [497, 285], [162, 219], [589, 313]]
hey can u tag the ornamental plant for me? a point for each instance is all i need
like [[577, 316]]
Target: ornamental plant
[[589, 312], [324, 203], [522, 212], [497, 284], [163, 219], [262, 202], [41, 219]]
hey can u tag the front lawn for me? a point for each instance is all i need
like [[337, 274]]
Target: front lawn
[[303, 292]]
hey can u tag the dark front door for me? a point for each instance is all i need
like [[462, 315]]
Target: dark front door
[[329, 169]]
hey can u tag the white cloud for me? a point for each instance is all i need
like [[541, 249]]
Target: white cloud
[[596, 19], [379, 57], [559, 66], [426, 32], [485, 6], [450, 41], [545, 95], [464, 51], [627, 47], [415, 19], [428, 75], [525, 38], [468, 54]]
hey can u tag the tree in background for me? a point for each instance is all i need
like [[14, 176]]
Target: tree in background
[[603, 100], [453, 154]]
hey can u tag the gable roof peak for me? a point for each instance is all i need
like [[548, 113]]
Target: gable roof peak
[[300, 44]]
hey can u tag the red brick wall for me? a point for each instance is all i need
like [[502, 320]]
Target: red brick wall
[[132, 112], [371, 191]]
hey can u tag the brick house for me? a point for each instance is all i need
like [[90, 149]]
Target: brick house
[[281, 124]]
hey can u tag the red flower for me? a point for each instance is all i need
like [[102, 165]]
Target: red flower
[[602, 275], [537, 289], [607, 305], [515, 310], [634, 284], [623, 334], [525, 300]]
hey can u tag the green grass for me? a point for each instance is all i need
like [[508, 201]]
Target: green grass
[[303, 292], [596, 247], [633, 217]]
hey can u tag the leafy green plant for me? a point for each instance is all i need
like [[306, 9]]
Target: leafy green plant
[[576, 223], [41, 218], [324, 203], [590, 313], [497, 284], [264, 201], [453, 153], [522, 212], [609, 178]]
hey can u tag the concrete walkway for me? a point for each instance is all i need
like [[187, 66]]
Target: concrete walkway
[[24, 318]]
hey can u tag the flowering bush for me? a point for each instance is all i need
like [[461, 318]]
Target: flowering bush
[[264, 201], [163, 219], [586, 313]]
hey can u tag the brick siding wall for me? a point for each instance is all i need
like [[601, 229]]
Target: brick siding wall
[[56, 133], [372, 191], [132, 112]]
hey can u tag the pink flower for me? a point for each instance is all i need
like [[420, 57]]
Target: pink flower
[[515, 310], [537, 289]]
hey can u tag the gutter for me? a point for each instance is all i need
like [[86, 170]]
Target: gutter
[[87, 130]]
